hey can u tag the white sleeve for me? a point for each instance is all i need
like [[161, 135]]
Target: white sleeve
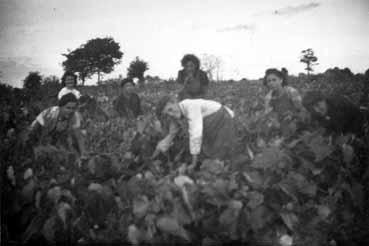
[[267, 99], [61, 93], [77, 93], [77, 120], [40, 118], [195, 126]]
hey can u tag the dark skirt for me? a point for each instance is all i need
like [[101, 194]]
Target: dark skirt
[[219, 135]]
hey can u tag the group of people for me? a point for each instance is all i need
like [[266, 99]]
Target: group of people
[[210, 125]]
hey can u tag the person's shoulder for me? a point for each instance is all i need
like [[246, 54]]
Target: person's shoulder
[[62, 91], [203, 75], [76, 91], [292, 89], [51, 112], [180, 76]]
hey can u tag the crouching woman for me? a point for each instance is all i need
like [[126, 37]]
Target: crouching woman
[[59, 126], [210, 126]]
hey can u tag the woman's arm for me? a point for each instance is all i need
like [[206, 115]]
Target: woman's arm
[[33, 134], [195, 130], [267, 107], [167, 141], [79, 138]]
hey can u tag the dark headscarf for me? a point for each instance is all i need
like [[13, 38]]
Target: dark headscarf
[[70, 97]]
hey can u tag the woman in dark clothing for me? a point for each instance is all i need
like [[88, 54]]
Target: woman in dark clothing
[[335, 113], [195, 81], [128, 104]]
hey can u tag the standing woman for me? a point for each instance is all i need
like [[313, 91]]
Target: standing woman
[[281, 98], [69, 83], [210, 126], [195, 81]]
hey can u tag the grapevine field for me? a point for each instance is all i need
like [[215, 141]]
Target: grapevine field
[[290, 185]]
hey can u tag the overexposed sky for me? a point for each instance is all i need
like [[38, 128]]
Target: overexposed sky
[[248, 36]]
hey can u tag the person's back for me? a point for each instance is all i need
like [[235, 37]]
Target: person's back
[[344, 116], [335, 113]]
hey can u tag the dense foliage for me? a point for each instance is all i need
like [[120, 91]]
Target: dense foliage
[[289, 185], [96, 56]]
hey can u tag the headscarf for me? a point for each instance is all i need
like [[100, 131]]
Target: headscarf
[[70, 97]]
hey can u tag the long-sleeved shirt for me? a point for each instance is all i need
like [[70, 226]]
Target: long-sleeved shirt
[[194, 111]]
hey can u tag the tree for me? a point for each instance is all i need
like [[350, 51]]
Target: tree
[[78, 62], [137, 69], [309, 59], [211, 64], [32, 83], [97, 56]]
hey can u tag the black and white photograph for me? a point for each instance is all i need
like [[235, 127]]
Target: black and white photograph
[[197, 122]]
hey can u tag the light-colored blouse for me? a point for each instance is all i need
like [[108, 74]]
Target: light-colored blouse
[[49, 120], [194, 110]]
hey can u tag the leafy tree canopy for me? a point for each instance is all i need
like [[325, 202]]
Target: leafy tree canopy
[[96, 56]]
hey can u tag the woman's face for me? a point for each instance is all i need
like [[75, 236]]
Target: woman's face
[[172, 109], [321, 108], [273, 81], [69, 82], [68, 110], [190, 67]]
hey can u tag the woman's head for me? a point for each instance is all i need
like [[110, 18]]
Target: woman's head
[[68, 105], [190, 63], [69, 79], [168, 106], [275, 79], [315, 102], [127, 85]]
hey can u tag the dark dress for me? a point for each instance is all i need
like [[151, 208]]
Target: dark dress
[[219, 135], [195, 87], [343, 117], [128, 106]]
